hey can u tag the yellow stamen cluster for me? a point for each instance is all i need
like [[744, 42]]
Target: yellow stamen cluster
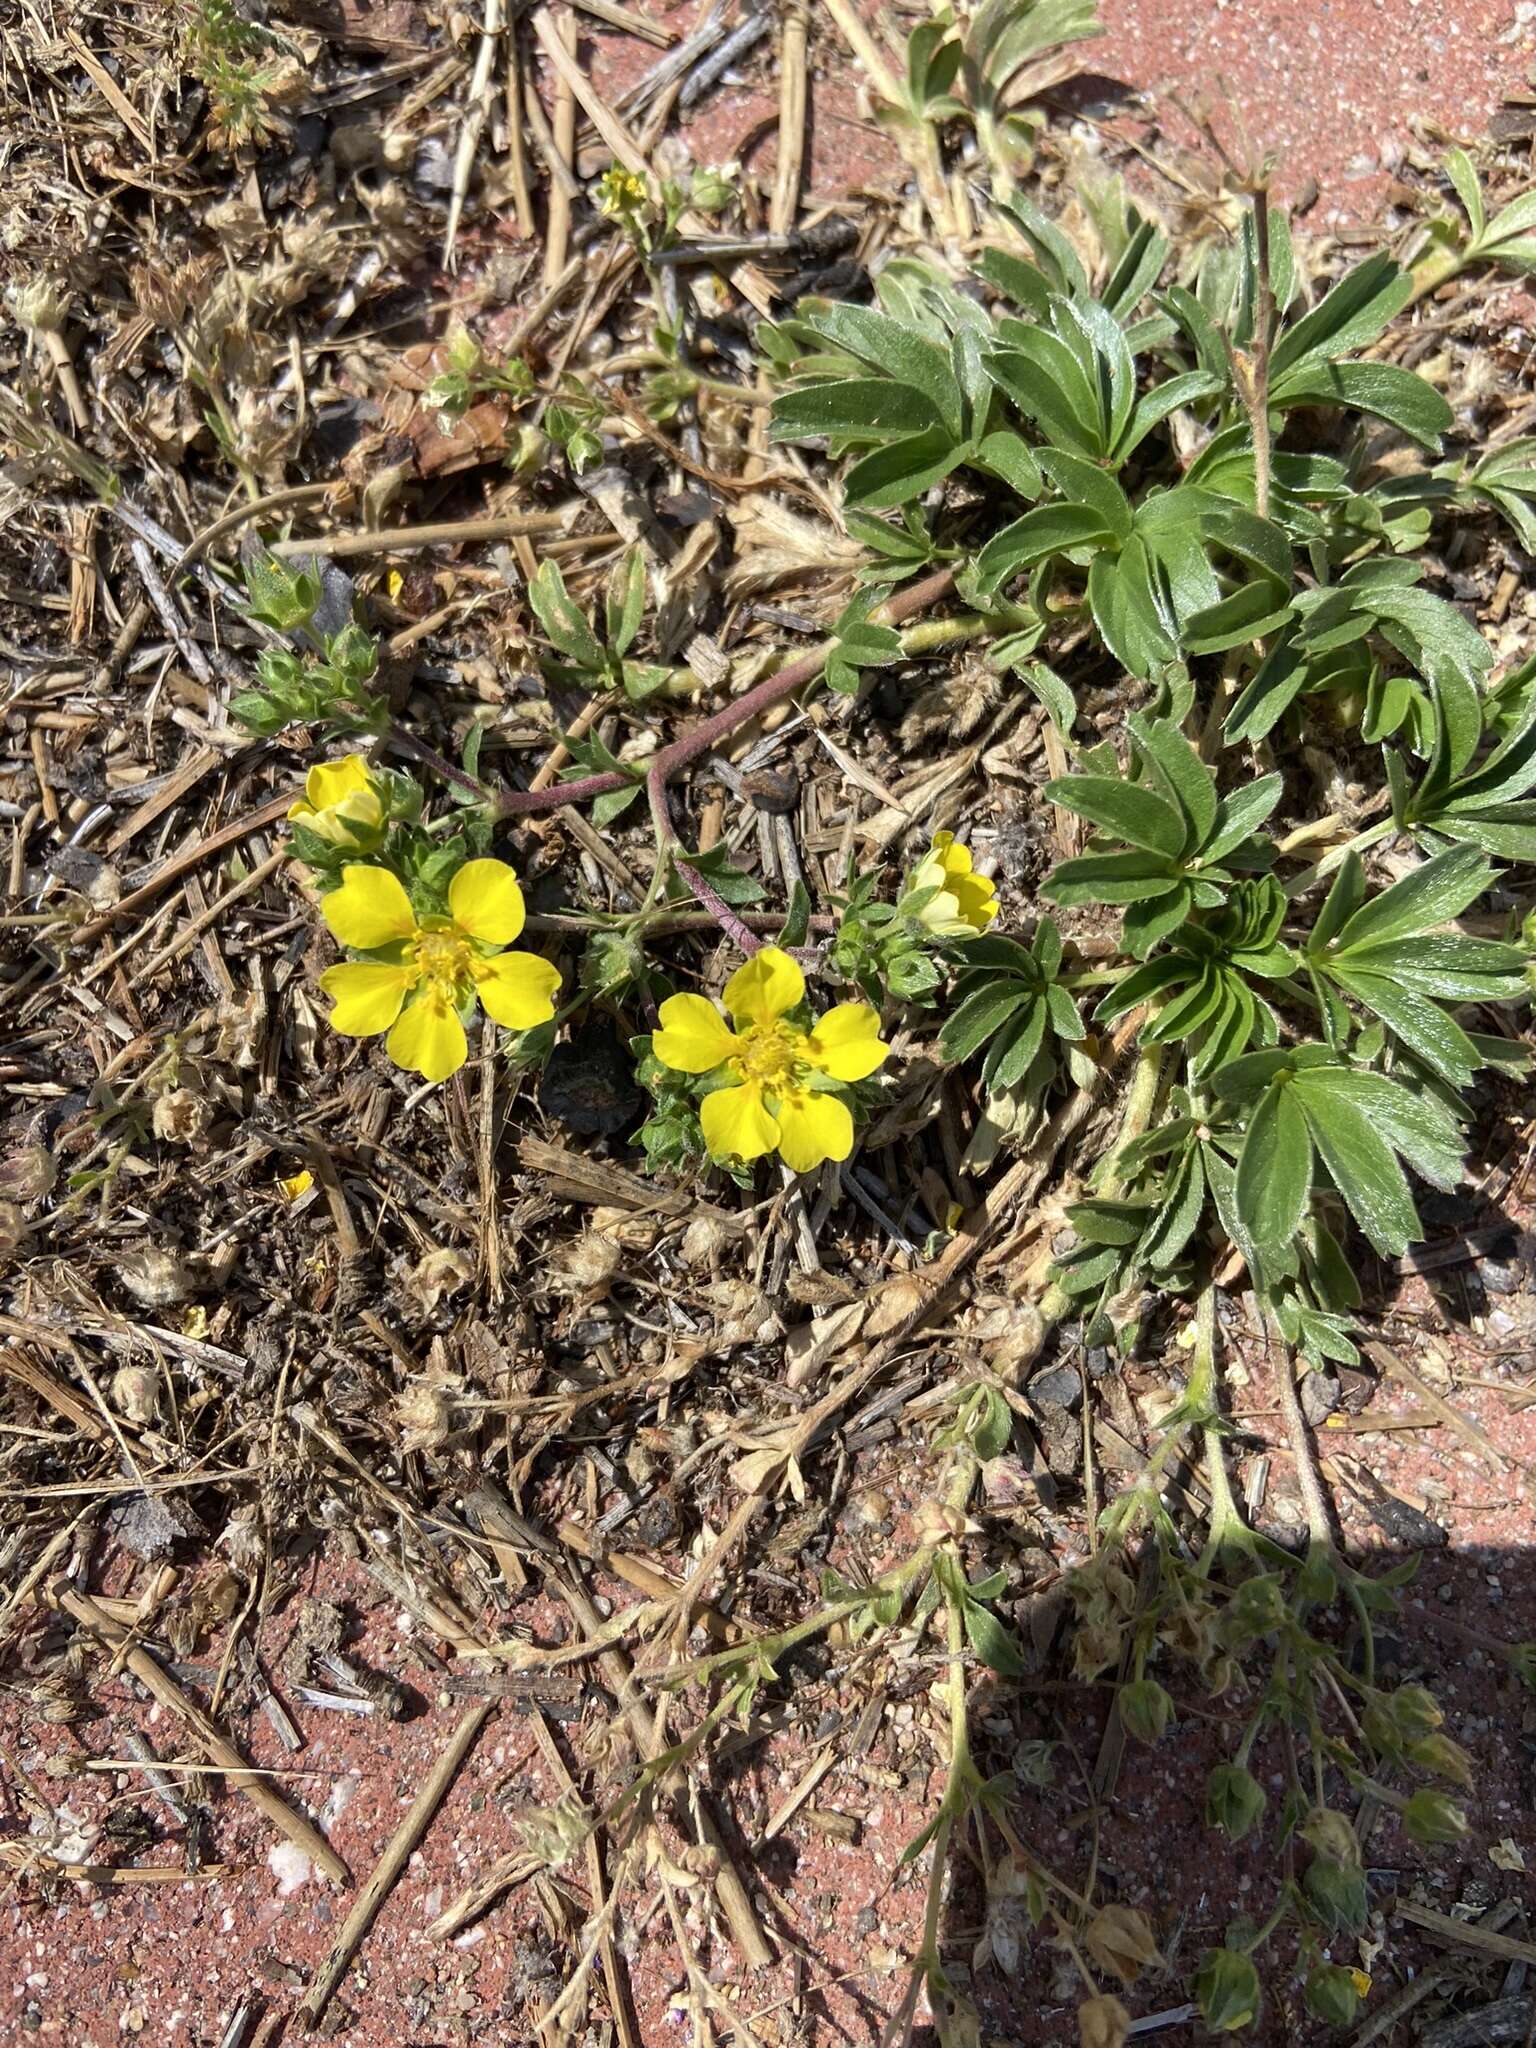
[[775, 1103], [426, 973]]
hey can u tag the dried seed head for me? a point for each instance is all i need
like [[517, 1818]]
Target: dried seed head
[[702, 1240], [436, 1275], [242, 1025], [953, 707], [28, 1173], [41, 307], [181, 1115], [1103, 2022], [243, 1542], [1017, 1350], [586, 1266], [897, 1303], [155, 1276], [424, 1414], [135, 1392], [935, 1521], [13, 1226]]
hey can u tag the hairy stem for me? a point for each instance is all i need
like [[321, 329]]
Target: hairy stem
[[1320, 870], [1313, 1498], [710, 732], [670, 848]]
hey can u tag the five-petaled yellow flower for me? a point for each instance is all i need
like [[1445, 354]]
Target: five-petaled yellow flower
[[432, 967], [966, 903], [774, 1104], [342, 804]]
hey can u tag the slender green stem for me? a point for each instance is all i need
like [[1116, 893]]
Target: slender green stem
[[1371, 836]]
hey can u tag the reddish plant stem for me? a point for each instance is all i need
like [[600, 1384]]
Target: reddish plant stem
[[709, 732], [668, 843]]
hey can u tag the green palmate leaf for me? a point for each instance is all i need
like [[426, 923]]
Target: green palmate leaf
[[1274, 1175], [1137, 269], [969, 1026], [991, 1641], [863, 413], [1386, 953], [1162, 401], [1040, 375], [1364, 1169], [1005, 454], [906, 357], [1468, 188], [1017, 279], [1048, 530], [1352, 316], [1122, 594], [1053, 250], [1357, 1122], [1432, 895], [904, 469], [1183, 775], [565, 624], [1384, 390], [1083, 483], [1013, 1051], [625, 601], [1506, 479], [1125, 809]]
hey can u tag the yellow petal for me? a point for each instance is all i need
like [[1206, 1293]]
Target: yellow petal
[[370, 909], [976, 896], [694, 1038], [765, 987], [329, 781], [953, 858], [735, 1123], [517, 989], [485, 901], [300, 808], [368, 997], [813, 1128], [298, 1184], [352, 824], [429, 1039], [846, 1043]]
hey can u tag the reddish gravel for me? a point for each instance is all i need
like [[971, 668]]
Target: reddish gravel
[[1332, 87]]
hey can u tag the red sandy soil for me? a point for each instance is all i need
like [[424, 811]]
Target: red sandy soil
[[1333, 89]]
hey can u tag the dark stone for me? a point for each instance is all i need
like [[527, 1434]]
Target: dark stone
[[1096, 1358], [589, 1086], [774, 790], [1061, 1439], [1058, 1387], [1500, 1279], [1320, 1395]]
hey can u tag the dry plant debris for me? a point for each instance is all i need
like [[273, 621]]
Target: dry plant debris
[[932, 802]]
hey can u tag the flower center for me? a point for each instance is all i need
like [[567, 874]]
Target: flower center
[[441, 957], [769, 1054]]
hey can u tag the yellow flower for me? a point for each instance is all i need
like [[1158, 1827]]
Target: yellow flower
[[620, 191], [341, 803], [775, 1105], [434, 966], [966, 903]]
